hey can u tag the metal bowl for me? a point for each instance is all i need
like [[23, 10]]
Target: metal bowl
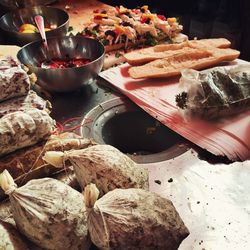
[[14, 4], [69, 79], [11, 22]]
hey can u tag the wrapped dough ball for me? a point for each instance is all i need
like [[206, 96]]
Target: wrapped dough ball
[[48, 212], [10, 238], [133, 219], [102, 165]]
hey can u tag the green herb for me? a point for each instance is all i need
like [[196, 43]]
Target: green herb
[[170, 40], [150, 40], [105, 42], [94, 32], [70, 29], [118, 54], [181, 100]]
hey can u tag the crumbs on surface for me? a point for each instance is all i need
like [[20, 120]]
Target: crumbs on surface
[[170, 180], [158, 182]]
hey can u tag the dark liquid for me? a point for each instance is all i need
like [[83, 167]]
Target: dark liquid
[[63, 64]]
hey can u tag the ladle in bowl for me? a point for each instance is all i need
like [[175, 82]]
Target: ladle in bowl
[[40, 25]]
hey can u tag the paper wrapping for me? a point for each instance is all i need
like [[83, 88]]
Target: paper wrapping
[[14, 81], [212, 200]]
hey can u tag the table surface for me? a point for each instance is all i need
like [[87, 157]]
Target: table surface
[[80, 11], [212, 199], [199, 189]]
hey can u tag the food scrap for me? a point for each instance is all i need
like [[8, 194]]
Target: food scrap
[[170, 180], [158, 182]]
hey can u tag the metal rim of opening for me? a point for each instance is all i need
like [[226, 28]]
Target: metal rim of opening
[[96, 117]]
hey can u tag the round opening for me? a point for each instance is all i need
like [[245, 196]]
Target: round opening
[[136, 132], [120, 123]]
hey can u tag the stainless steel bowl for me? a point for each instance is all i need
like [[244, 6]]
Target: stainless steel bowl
[[69, 79], [11, 22], [14, 4]]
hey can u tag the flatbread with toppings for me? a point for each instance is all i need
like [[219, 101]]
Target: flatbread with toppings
[[121, 27]]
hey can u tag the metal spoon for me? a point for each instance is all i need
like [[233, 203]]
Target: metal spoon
[[40, 25]]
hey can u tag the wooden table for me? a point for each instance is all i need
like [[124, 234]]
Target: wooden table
[[81, 11]]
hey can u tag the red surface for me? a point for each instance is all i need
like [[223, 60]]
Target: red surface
[[63, 64]]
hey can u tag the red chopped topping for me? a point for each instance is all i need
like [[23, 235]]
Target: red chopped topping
[[144, 19], [63, 64], [136, 11], [118, 10], [98, 18], [162, 17]]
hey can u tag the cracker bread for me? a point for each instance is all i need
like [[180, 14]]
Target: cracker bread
[[111, 58], [142, 56], [191, 58]]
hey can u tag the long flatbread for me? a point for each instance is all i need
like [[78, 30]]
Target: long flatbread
[[142, 56], [191, 59]]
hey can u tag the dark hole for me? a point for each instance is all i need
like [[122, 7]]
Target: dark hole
[[137, 132]]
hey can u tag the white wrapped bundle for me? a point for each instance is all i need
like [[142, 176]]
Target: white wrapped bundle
[[48, 212], [10, 239], [24, 128], [14, 81], [27, 163], [32, 100], [133, 219], [102, 165]]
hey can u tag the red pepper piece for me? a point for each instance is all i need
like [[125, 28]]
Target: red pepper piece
[[98, 18], [118, 10], [144, 19], [136, 11], [162, 17]]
